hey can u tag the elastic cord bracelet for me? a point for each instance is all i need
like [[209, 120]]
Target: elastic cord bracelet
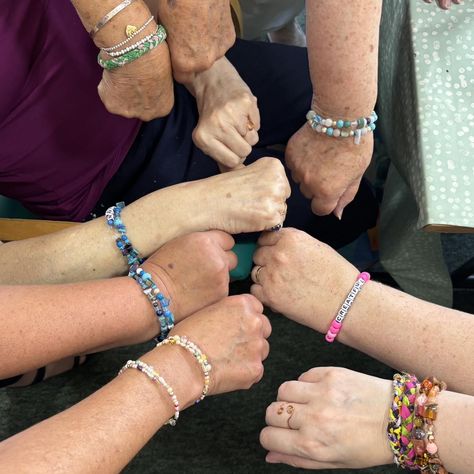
[[131, 32], [155, 40], [342, 128], [114, 220], [426, 412], [401, 420], [106, 18], [336, 324], [201, 358], [158, 300], [149, 371], [116, 54]]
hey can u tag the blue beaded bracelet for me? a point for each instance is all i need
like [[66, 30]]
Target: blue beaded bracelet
[[158, 300], [342, 128], [112, 216]]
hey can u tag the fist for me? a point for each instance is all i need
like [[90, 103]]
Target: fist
[[194, 270]]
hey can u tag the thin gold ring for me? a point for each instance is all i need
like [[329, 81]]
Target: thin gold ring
[[257, 280]]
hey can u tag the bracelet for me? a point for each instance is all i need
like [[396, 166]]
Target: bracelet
[[149, 371], [401, 420], [336, 324], [158, 300], [133, 46], [129, 35], [156, 39], [114, 220], [426, 411], [197, 354], [342, 128], [105, 19]]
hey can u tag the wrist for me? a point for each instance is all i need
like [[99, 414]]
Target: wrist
[[327, 107], [179, 368]]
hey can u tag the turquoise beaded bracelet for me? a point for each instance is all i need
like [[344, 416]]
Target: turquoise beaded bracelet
[[342, 128], [155, 40]]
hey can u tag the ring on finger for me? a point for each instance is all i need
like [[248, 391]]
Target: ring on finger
[[289, 410], [256, 274], [276, 228]]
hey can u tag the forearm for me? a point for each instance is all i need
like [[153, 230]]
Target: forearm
[[452, 430], [88, 251], [106, 430], [343, 56], [410, 334], [42, 324]]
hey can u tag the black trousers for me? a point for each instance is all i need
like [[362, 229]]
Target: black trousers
[[164, 154]]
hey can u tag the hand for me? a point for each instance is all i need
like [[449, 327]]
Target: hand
[[300, 277], [229, 118], [232, 333], [250, 199], [329, 169], [338, 420], [445, 4], [199, 33], [193, 270], [142, 89]]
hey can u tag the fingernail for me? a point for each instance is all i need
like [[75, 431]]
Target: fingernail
[[269, 460], [338, 213]]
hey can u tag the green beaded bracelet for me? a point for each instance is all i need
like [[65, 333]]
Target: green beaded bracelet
[[127, 58]]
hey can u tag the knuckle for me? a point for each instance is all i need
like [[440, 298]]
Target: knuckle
[[284, 389]]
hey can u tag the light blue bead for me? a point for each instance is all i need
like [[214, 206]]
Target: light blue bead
[[372, 126], [318, 118], [340, 123], [330, 131]]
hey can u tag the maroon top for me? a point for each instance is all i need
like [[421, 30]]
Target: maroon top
[[59, 146]]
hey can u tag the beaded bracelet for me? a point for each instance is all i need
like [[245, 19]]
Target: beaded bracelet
[[106, 18], [197, 354], [401, 418], [114, 220], [149, 371], [158, 300], [426, 411], [127, 58], [336, 324], [116, 54], [130, 35], [342, 128]]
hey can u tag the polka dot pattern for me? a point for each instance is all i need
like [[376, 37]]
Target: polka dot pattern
[[443, 51]]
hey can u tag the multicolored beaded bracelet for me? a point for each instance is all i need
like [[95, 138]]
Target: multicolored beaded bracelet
[[158, 300], [401, 418], [149, 371], [206, 367], [336, 324], [131, 32], [127, 58], [426, 412], [342, 128], [114, 220]]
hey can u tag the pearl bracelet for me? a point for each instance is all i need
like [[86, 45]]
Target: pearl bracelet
[[197, 354], [116, 54], [336, 324], [342, 128], [149, 371]]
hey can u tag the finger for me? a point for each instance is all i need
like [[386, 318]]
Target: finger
[[346, 199], [257, 274], [445, 4], [305, 190], [274, 457], [282, 440], [226, 169], [266, 327], [257, 291], [270, 238], [232, 260], [254, 117], [296, 391], [262, 255], [225, 240], [265, 349], [251, 137], [236, 143], [457, 2], [253, 302], [317, 374], [323, 207], [222, 154], [285, 415]]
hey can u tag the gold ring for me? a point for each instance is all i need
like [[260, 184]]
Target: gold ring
[[257, 280], [290, 409], [250, 125]]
